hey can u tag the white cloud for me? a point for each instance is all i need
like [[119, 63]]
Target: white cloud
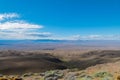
[[8, 16], [76, 37], [96, 37], [13, 28], [19, 29], [38, 34], [18, 25], [20, 36]]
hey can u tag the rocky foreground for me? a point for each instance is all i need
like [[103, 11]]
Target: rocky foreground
[[63, 75], [109, 71]]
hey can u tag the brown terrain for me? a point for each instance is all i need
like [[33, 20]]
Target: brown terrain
[[18, 62]]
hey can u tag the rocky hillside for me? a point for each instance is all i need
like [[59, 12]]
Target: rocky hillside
[[109, 71]]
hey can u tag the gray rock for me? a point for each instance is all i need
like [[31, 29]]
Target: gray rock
[[70, 76]]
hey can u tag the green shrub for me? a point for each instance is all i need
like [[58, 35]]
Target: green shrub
[[103, 74], [107, 78], [51, 75], [70, 76], [85, 78]]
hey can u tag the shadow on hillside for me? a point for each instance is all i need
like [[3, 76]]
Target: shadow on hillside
[[93, 58], [18, 62]]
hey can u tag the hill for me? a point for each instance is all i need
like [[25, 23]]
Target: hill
[[17, 62]]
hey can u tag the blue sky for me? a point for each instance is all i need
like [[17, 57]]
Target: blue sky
[[60, 19]]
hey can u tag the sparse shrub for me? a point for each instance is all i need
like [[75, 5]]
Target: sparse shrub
[[27, 74], [42, 78], [107, 78], [70, 77], [14, 78], [82, 74], [53, 75], [86, 77], [103, 74]]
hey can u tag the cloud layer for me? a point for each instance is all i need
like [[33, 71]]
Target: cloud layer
[[96, 37], [11, 28], [8, 16]]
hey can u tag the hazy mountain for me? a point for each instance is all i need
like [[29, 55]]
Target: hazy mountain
[[52, 44]]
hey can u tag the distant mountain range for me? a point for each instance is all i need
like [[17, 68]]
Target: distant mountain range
[[52, 44]]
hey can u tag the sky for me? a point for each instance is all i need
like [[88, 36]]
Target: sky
[[60, 19]]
